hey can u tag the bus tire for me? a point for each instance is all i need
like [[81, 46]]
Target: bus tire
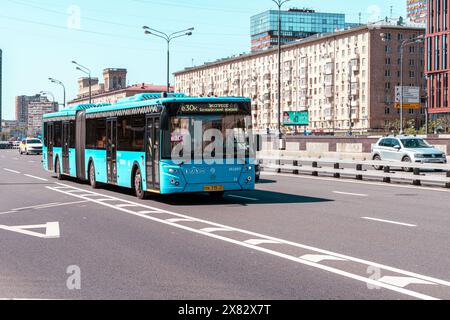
[[92, 180], [59, 176], [137, 185]]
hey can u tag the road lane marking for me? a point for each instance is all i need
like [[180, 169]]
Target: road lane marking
[[351, 194], [211, 230], [43, 206], [174, 220], [12, 171], [34, 177], [257, 242], [404, 281], [363, 265], [241, 197], [51, 230], [390, 221], [320, 258]]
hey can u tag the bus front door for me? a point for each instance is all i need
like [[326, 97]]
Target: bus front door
[[152, 133], [50, 143], [111, 150], [65, 147]]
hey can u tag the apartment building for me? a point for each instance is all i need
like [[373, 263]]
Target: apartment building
[[346, 80]]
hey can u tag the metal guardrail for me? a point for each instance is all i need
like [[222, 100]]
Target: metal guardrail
[[417, 176]]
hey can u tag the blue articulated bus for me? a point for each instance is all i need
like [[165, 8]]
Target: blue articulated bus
[[155, 143]]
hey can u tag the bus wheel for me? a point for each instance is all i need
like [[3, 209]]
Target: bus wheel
[[92, 180], [140, 193], [217, 195], [58, 170]]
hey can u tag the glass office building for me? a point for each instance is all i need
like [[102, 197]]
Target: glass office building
[[295, 24], [417, 11]]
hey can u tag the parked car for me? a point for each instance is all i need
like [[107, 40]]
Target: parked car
[[406, 149], [30, 146]]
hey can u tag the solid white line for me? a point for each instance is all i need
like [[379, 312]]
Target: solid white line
[[9, 170], [37, 178], [389, 221], [351, 194], [241, 197], [285, 256]]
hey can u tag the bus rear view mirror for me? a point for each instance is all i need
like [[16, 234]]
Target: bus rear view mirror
[[258, 142]]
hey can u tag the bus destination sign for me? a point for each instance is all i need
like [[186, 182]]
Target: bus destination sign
[[210, 108]]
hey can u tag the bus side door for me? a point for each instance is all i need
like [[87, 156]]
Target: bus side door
[[65, 147], [111, 150], [152, 153], [50, 143]]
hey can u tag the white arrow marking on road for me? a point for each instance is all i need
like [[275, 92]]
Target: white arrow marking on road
[[319, 257], [403, 281], [257, 242], [51, 230]]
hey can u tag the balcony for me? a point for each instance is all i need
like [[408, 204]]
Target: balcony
[[329, 91], [329, 80], [328, 69], [328, 112], [355, 103]]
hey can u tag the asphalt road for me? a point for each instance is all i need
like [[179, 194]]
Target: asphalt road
[[295, 237]]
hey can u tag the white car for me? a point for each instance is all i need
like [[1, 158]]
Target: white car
[[31, 146]]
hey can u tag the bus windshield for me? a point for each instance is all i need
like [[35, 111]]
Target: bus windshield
[[208, 136]]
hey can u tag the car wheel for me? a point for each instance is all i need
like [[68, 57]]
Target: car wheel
[[138, 188], [59, 176], [92, 179], [377, 158], [408, 160]]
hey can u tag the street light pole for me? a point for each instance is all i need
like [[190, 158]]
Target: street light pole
[[63, 86], [279, 3], [168, 38], [88, 72]]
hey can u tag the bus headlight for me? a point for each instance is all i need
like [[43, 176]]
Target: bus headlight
[[173, 171]]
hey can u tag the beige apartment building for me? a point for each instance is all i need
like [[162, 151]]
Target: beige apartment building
[[343, 78]]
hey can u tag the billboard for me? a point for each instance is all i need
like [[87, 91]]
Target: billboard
[[411, 97], [296, 118]]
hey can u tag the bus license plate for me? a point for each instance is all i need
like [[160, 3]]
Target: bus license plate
[[213, 188]]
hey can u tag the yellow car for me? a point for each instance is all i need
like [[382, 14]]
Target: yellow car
[[30, 146]]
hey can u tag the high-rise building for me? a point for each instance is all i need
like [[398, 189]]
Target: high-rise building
[[295, 24], [437, 59], [22, 103], [36, 110], [417, 11], [1, 53], [344, 79]]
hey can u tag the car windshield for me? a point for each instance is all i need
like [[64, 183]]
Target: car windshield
[[34, 141], [415, 143]]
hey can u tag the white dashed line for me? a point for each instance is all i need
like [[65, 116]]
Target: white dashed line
[[33, 177], [351, 194], [389, 221], [12, 171], [241, 197]]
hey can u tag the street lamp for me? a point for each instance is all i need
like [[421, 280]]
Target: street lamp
[[168, 38], [62, 85], [279, 3], [86, 71], [407, 42]]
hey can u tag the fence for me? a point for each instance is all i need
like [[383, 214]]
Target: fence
[[360, 169]]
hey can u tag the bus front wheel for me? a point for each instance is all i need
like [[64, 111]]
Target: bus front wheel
[[138, 189], [92, 179]]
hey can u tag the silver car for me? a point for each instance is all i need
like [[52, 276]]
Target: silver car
[[406, 149]]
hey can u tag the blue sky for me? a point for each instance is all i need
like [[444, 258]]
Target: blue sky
[[40, 38]]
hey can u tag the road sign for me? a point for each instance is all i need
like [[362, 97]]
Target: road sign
[[296, 118], [411, 97]]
